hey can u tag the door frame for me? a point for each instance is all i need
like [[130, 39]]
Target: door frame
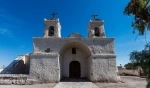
[[78, 69]]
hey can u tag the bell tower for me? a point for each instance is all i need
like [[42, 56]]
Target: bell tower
[[96, 28], [52, 27]]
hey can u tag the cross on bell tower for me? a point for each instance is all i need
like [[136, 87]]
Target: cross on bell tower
[[53, 15], [94, 16], [96, 28], [52, 27]]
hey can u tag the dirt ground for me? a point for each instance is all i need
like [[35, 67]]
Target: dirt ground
[[127, 82]]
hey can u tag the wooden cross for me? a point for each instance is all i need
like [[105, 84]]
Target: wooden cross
[[94, 16], [54, 14]]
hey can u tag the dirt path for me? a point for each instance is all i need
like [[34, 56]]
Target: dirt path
[[127, 82], [49, 85]]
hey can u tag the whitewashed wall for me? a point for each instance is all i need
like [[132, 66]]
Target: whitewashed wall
[[1, 69], [57, 27], [44, 67], [80, 56], [53, 65], [104, 68], [95, 45]]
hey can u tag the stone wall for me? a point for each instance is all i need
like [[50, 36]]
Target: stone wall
[[8, 79]]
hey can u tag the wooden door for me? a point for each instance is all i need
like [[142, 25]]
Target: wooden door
[[74, 69]]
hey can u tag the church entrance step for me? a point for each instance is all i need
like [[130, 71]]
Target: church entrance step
[[75, 85], [75, 80]]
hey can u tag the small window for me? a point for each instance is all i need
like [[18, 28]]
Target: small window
[[47, 50], [73, 50], [96, 31], [51, 31]]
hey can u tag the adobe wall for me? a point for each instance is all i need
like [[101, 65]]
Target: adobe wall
[[80, 56], [45, 66], [104, 68], [96, 45]]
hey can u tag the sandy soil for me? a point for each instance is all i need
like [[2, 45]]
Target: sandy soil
[[49, 85], [127, 82]]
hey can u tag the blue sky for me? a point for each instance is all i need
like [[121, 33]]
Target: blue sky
[[20, 20]]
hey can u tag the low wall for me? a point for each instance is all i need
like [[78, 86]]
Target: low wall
[[127, 72], [16, 79]]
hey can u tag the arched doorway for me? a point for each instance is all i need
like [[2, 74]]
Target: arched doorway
[[75, 53], [74, 69]]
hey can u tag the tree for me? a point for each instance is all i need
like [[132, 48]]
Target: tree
[[142, 59], [140, 10], [129, 66]]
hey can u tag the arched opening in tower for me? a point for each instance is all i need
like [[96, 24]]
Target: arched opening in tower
[[51, 31], [96, 29]]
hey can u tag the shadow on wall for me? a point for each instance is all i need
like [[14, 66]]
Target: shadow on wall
[[16, 67]]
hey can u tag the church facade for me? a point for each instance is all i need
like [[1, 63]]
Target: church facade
[[55, 58]]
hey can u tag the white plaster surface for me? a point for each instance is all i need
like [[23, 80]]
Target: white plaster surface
[[75, 35], [57, 27], [101, 51], [1, 69], [100, 25], [80, 56], [104, 70], [95, 55], [95, 45], [44, 68]]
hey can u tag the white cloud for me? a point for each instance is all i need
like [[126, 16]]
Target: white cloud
[[6, 32]]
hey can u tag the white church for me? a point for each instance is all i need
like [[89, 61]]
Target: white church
[[54, 58]]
